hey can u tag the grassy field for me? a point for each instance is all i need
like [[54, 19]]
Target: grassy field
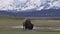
[[20, 31], [11, 22]]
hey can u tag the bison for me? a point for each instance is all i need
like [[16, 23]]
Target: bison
[[27, 24]]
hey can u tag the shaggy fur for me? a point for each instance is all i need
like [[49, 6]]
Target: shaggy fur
[[27, 25]]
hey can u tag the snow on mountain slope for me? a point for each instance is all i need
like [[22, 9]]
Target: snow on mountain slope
[[55, 4], [5, 4], [29, 4]]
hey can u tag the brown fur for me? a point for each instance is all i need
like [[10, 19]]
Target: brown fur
[[27, 24]]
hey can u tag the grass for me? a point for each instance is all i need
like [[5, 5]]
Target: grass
[[20, 31], [10, 22], [45, 23]]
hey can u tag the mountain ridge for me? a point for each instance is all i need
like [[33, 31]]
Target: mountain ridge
[[29, 4], [33, 13]]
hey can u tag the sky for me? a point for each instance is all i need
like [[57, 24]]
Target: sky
[[27, 4]]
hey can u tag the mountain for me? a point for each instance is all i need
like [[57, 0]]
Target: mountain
[[21, 5], [30, 8], [32, 13]]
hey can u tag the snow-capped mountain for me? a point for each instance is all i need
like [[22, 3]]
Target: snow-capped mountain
[[29, 4]]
